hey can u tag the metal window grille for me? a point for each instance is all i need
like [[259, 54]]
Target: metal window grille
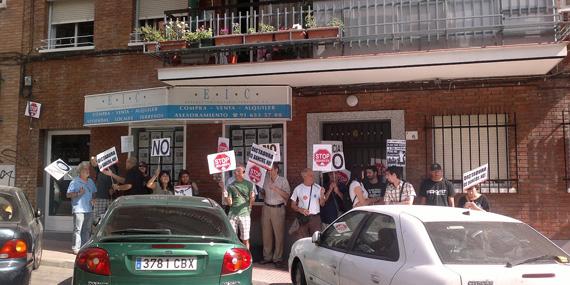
[[463, 142], [566, 130]]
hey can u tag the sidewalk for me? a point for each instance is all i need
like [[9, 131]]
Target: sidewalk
[[57, 253]]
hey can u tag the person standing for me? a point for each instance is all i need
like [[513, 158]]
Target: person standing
[[474, 200], [436, 190], [276, 193], [104, 185], [398, 191], [357, 192], [81, 191], [308, 198], [376, 188], [240, 198], [185, 186], [133, 182], [160, 183], [333, 198]]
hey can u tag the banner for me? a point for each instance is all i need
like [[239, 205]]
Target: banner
[[160, 147], [107, 158], [255, 174], [274, 147], [338, 162], [322, 157], [396, 153], [223, 144], [58, 169], [475, 176], [221, 162], [261, 156]]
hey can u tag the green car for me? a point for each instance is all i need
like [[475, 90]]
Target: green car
[[161, 239]]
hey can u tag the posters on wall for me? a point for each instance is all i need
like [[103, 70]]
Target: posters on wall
[[144, 139], [263, 136], [143, 154], [396, 152], [240, 154], [179, 138], [127, 144], [237, 137], [250, 137]]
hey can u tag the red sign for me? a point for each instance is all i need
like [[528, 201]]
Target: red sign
[[223, 147], [254, 174], [222, 162], [322, 157]]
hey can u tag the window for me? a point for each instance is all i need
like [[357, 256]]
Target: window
[[151, 12], [71, 24], [378, 238], [464, 142], [8, 208], [339, 234], [172, 163]]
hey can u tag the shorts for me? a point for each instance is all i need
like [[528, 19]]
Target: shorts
[[243, 223]]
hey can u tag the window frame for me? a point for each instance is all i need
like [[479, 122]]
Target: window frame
[[369, 220], [355, 233], [50, 45]]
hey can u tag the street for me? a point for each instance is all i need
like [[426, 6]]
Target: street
[[48, 275]]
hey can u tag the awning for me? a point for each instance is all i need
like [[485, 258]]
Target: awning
[[497, 61]]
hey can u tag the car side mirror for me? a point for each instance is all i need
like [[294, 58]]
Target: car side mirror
[[38, 213], [316, 238]]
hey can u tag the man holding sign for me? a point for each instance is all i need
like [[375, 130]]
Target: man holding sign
[[134, 182], [240, 199]]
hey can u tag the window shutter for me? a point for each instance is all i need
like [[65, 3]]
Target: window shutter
[[72, 11], [154, 9]]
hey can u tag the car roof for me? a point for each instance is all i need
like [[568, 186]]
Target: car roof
[[164, 200], [439, 214], [9, 189]]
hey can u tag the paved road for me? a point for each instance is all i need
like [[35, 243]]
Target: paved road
[[49, 275]]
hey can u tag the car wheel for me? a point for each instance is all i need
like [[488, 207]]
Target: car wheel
[[38, 256], [299, 275]]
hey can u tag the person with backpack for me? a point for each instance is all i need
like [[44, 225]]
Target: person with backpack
[[437, 190], [398, 191], [357, 193]]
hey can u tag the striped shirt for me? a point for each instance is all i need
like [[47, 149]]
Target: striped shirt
[[392, 195]]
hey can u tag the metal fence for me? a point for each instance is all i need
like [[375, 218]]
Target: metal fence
[[464, 142], [67, 42]]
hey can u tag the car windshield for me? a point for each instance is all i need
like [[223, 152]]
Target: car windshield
[[488, 242], [164, 220], [9, 211]]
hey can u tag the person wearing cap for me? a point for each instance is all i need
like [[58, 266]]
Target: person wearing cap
[[437, 190]]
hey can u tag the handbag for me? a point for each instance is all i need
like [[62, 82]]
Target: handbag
[[302, 218]]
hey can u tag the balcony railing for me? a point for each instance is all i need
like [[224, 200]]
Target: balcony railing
[[67, 43]]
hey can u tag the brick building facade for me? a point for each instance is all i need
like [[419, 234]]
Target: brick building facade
[[535, 144]]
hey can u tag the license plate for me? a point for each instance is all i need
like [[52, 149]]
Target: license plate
[[166, 263]]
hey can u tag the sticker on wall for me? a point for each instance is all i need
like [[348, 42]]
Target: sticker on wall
[[7, 174], [33, 109]]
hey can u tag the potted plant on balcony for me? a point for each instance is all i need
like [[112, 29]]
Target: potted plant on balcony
[[333, 29], [174, 33], [264, 35], [226, 39], [295, 33], [202, 37], [150, 36]]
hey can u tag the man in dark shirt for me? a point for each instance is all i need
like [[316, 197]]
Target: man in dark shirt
[[104, 186], [134, 180], [437, 191], [376, 189]]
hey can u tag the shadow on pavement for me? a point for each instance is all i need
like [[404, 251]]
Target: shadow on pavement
[[65, 282]]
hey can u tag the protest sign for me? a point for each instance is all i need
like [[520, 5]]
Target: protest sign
[[223, 144], [107, 158], [274, 147], [322, 157], [255, 174], [396, 153], [475, 176], [221, 162], [127, 144], [261, 156], [58, 169], [337, 155], [160, 147]]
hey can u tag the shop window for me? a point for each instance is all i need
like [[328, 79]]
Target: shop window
[[71, 24], [464, 142], [143, 142]]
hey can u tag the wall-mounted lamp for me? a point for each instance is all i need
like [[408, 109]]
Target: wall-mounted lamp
[[351, 101]]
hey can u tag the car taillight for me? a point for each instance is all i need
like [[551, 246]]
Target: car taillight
[[15, 248], [235, 260], [94, 260]]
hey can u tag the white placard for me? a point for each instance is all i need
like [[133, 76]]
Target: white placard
[[322, 157], [160, 147], [221, 162], [58, 169], [223, 144], [475, 176], [107, 158], [255, 174], [396, 152], [261, 156], [7, 174], [274, 147], [127, 144], [33, 109], [338, 162]]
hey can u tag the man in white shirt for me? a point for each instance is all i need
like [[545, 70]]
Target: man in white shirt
[[308, 198], [276, 193]]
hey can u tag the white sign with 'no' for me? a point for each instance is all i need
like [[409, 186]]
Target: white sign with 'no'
[[160, 147]]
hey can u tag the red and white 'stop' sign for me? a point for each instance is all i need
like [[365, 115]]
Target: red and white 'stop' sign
[[223, 144], [222, 162], [322, 157], [255, 174]]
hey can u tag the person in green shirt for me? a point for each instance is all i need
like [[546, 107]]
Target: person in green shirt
[[240, 198]]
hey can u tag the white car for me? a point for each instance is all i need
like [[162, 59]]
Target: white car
[[430, 245]]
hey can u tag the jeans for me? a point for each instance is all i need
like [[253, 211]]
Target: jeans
[[81, 229]]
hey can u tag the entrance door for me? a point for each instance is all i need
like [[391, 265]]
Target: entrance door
[[73, 148], [361, 140]]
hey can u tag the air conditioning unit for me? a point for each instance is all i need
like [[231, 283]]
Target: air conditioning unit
[[3, 3]]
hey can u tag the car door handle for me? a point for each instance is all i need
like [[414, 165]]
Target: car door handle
[[374, 279], [333, 266]]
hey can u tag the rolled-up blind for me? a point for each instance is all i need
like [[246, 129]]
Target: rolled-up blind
[[72, 11], [152, 9]]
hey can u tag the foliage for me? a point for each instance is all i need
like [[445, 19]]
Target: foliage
[[200, 34], [236, 29], [251, 31], [265, 28], [175, 30], [150, 34], [336, 22], [310, 21]]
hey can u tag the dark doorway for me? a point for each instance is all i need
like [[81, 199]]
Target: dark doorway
[[361, 140]]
